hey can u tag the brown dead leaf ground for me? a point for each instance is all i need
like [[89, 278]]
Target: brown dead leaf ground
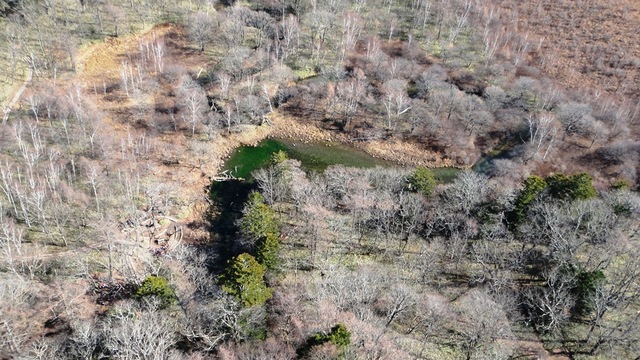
[[586, 44]]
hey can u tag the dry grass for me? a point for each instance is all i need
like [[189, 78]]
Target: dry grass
[[405, 153], [103, 60]]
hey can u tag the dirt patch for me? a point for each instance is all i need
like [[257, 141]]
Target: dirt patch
[[404, 153], [171, 162]]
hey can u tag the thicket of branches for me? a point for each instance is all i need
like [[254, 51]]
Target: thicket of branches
[[415, 273]]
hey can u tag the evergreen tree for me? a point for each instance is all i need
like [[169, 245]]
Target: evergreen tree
[[244, 279], [533, 185], [159, 287], [339, 335], [573, 187], [259, 220], [267, 249], [587, 283], [422, 180]]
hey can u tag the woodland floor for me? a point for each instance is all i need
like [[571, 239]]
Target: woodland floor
[[589, 44]]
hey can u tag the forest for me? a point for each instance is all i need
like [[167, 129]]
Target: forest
[[495, 215]]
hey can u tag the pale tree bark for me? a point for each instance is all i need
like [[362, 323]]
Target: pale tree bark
[[193, 100], [395, 100]]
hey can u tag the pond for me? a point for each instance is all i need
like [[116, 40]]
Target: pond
[[313, 157], [229, 196], [486, 164]]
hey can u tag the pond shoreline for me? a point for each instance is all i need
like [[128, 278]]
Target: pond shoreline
[[313, 156], [280, 127]]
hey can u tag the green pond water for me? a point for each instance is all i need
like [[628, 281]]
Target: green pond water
[[486, 164], [313, 157]]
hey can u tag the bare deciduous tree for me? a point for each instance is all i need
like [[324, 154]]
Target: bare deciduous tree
[[194, 102], [201, 28], [542, 133], [137, 334], [485, 327], [395, 100]]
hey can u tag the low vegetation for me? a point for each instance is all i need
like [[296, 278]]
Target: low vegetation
[[158, 288]]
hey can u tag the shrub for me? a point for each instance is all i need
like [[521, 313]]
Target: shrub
[[159, 287], [621, 184], [422, 180], [279, 157], [572, 187], [339, 336]]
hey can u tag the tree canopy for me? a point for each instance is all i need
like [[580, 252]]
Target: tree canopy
[[571, 187], [159, 287], [259, 220], [423, 181], [244, 279]]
